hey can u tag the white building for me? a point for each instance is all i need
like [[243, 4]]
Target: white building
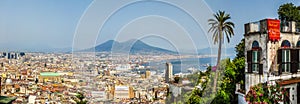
[[272, 54], [123, 67], [123, 92], [99, 95], [31, 99]]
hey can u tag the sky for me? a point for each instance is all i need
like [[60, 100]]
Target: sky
[[35, 24]]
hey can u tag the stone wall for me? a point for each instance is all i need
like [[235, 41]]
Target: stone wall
[[254, 78]]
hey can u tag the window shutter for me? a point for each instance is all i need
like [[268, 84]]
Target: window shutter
[[294, 60], [296, 55], [249, 56], [260, 71], [279, 69], [279, 60], [249, 68], [297, 60], [249, 61]]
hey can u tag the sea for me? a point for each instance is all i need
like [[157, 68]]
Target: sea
[[186, 65], [182, 65]]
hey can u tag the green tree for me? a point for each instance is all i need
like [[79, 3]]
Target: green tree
[[220, 25], [239, 61], [80, 98], [288, 12], [226, 92], [240, 71], [176, 79], [196, 96], [240, 49], [233, 72]]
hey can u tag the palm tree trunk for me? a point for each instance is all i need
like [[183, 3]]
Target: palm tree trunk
[[218, 60]]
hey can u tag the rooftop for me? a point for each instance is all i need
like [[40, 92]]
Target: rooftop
[[49, 74]]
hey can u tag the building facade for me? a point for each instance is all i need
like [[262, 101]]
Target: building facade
[[272, 54], [49, 77], [123, 92], [147, 73], [169, 72]]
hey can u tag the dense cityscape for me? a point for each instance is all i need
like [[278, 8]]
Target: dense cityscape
[[149, 52], [57, 78]]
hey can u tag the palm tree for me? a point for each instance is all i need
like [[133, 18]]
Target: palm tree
[[220, 26]]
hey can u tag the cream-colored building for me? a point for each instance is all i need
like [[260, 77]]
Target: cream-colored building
[[49, 77], [123, 92], [272, 54], [147, 74]]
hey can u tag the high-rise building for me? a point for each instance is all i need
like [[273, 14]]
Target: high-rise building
[[169, 72], [147, 74], [4, 55], [16, 56], [8, 55], [12, 55]]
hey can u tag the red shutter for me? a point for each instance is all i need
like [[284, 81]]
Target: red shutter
[[249, 61], [279, 60]]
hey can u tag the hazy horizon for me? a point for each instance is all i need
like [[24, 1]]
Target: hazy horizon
[[41, 25]]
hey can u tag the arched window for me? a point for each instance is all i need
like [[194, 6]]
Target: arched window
[[298, 44], [285, 44], [253, 58], [285, 54], [255, 45]]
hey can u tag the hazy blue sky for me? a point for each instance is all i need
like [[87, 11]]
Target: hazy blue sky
[[30, 24]]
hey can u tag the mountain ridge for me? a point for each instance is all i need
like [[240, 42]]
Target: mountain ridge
[[130, 46]]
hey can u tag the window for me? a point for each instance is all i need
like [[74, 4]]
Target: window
[[298, 44], [255, 61], [255, 45], [285, 44], [286, 61], [284, 57]]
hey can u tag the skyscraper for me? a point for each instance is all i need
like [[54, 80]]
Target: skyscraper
[[169, 72], [8, 55]]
